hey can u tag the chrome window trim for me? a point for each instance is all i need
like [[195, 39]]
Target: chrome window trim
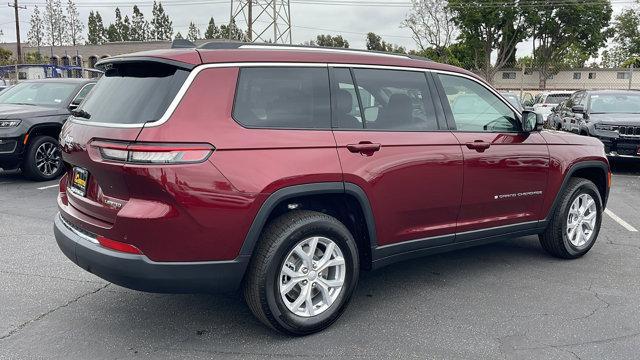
[[198, 69]]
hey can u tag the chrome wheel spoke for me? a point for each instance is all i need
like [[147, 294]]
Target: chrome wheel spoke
[[581, 220], [332, 283], [312, 276]]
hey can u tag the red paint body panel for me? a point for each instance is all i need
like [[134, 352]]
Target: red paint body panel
[[499, 180], [414, 182]]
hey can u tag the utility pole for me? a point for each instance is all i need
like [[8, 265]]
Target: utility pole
[[16, 9], [267, 20]]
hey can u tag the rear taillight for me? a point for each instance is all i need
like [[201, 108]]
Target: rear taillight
[[153, 153]]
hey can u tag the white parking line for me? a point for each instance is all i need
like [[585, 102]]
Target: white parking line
[[617, 219], [47, 187]]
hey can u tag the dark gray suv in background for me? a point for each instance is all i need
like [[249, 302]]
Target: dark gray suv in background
[[31, 116], [613, 116]]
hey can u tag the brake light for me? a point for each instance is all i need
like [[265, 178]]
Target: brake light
[[118, 246], [153, 153]]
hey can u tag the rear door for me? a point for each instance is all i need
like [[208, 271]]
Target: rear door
[[505, 170], [125, 98], [391, 144]]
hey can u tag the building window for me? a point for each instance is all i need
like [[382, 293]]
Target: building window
[[592, 75], [550, 77], [623, 75], [577, 76], [509, 75]]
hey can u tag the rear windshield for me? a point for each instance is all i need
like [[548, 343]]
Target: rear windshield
[[134, 93], [556, 98]]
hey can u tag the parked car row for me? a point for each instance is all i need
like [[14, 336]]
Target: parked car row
[[613, 116]]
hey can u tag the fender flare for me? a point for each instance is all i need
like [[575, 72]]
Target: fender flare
[[260, 220], [569, 173], [44, 126]]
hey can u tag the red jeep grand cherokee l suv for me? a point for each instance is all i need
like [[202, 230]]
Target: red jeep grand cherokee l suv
[[284, 171]]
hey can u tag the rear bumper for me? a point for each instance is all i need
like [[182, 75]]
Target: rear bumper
[[139, 273]]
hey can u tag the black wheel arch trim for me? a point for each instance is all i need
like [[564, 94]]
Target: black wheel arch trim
[[289, 192], [44, 126], [575, 167]]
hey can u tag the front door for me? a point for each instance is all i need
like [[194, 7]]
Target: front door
[[391, 144], [505, 169]]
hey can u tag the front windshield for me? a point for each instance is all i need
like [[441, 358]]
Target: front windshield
[[52, 94], [556, 98], [615, 103]]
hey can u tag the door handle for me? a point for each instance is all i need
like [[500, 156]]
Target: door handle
[[366, 148], [478, 145]]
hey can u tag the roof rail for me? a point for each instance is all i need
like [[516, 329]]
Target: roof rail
[[182, 44], [214, 45]]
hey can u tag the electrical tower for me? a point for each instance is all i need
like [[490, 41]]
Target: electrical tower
[[267, 20]]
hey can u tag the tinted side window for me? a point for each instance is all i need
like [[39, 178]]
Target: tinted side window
[[395, 100], [346, 111], [286, 97], [475, 108], [83, 93]]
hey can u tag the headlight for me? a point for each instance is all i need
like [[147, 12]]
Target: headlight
[[9, 123]]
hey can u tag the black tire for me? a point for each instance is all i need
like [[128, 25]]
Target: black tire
[[29, 167], [261, 289], [554, 239]]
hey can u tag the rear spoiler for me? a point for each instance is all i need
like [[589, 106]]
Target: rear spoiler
[[104, 64]]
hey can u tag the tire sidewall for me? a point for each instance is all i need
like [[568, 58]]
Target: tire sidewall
[[591, 190], [302, 325]]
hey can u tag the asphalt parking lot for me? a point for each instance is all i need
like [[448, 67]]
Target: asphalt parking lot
[[506, 300]]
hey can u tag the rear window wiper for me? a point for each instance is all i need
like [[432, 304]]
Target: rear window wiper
[[81, 114]]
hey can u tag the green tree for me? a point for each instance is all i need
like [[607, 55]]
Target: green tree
[[122, 26], [432, 26], [330, 41], [194, 32], [626, 39], [6, 57], [34, 57], [139, 30], [212, 31], [54, 19], [36, 29], [179, 36], [73, 26], [113, 35], [161, 24], [487, 28], [232, 32], [558, 32], [96, 32], [375, 43]]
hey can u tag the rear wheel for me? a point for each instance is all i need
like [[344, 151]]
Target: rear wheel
[[303, 273], [42, 159], [575, 223]]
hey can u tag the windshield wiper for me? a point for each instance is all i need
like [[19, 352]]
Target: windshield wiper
[[81, 114]]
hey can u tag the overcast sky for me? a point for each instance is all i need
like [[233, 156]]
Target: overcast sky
[[308, 20]]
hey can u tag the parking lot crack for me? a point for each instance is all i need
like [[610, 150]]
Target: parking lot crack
[[43, 315]]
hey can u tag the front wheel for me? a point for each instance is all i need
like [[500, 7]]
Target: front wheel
[[303, 273], [575, 223], [42, 159]]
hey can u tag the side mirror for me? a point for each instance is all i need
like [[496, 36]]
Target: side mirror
[[532, 121], [578, 109], [74, 104]]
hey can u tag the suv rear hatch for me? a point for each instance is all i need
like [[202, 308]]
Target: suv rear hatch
[[133, 91]]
